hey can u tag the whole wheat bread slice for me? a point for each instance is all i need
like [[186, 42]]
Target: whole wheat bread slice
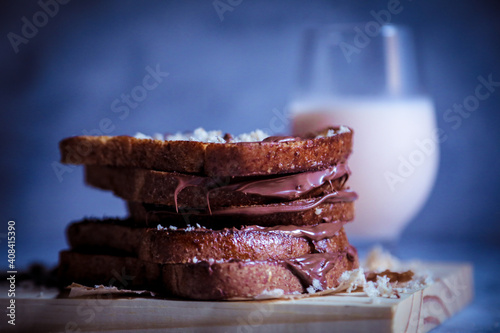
[[160, 187], [212, 159], [200, 281], [242, 280], [192, 245], [172, 247]]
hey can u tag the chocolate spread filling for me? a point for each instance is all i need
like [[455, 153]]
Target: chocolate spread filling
[[314, 233], [292, 206], [291, 186], [284, 207], [286, 187]]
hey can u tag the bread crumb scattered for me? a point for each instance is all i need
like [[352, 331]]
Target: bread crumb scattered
[[255, 136], [332, 132], [351, 280], [379, 260], [316, 286], [140, 135], [274, 293]]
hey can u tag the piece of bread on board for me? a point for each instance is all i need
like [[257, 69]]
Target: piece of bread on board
[[314, 151], [166, 246], [242, 280]]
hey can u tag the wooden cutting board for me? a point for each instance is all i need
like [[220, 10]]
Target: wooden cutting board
[[417, 312]]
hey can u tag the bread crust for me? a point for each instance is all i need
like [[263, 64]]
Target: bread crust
[[127, 151], [152, 215], [160, 187], [120, 236], [210, 159], [120, 271]]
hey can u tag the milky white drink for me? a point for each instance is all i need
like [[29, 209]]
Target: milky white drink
[[394, 161]]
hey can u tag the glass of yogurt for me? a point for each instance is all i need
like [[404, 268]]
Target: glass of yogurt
[[364, 76]]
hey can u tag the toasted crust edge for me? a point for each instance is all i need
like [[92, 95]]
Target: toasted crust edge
[[211, 159], [126, 151]]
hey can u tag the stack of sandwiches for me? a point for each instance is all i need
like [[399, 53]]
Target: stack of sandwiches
[[214, 216]]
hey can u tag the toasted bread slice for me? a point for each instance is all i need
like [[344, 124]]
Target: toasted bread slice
[[163, 245], [243, 280], [190, 191], [169, 247], [152, 215], [204, 280], [314, 151]]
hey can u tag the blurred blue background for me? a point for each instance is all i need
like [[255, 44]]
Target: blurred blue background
[[226, 74]]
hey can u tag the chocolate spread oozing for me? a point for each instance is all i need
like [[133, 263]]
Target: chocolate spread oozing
[[312, 267], [288, 187], [291, 186], [316, 266], [299, 205]]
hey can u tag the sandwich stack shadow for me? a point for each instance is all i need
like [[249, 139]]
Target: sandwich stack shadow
[[210, 221]]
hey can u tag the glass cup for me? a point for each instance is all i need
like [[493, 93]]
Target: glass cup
[[366, 78]]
